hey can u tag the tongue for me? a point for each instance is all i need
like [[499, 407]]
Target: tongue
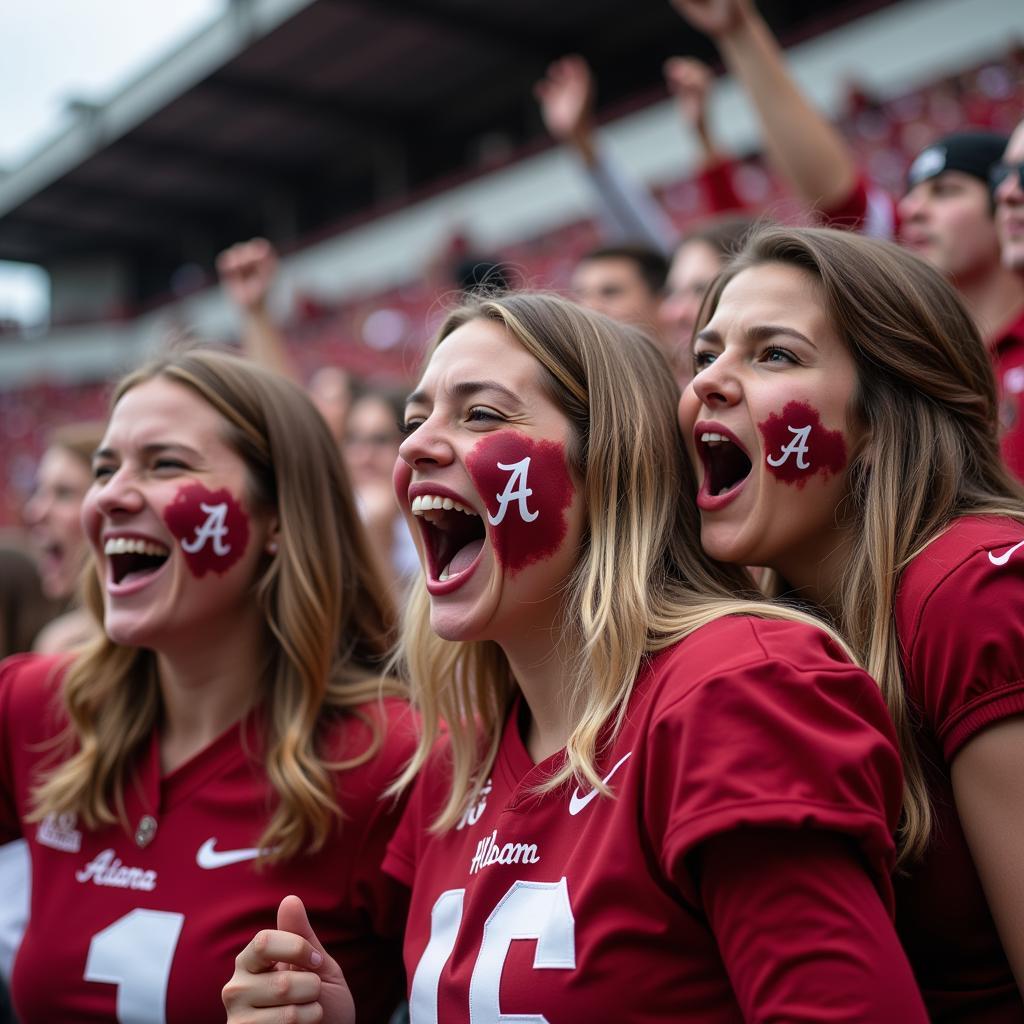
[[465, 557]]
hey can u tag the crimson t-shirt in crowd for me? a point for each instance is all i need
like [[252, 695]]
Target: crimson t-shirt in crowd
[[573, 906], [120, 931], [1008, 362], [959, 615]]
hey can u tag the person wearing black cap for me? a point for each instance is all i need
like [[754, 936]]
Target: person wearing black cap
[[1007, 180]]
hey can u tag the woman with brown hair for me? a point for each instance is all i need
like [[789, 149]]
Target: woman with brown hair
[[53, 517], [221, 742], [625, 735], [843, 425]]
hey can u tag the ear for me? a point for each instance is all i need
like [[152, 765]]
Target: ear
[[271, 544]]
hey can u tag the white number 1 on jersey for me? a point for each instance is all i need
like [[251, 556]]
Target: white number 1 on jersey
[[135, 954], [529, 910]]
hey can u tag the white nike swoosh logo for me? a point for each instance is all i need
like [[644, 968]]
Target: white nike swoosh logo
[[209, 858], [577, 802], [1005, 556]]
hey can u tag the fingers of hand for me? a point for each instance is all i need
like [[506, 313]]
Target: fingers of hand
[[245, 257], [270, 947], [279, 989], [310, 1013]]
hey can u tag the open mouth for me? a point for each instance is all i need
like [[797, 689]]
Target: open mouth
[[726, 464], [131, 558], [453, 534]]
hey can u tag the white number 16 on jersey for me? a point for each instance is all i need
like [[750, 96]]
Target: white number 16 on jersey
[[529, 910]]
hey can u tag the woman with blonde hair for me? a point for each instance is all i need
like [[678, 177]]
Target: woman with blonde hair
[[654, 800], [843, 424], [221, 742]]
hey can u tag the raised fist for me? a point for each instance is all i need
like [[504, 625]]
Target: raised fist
[[247, 271]]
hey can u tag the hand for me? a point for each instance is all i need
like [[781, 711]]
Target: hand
[[247, 270], [689, 80], [287, 968], [714, 17], [566, 98]]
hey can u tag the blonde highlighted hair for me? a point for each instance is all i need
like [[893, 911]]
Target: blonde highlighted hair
[[641, 582], [927, 400], [329, 619]]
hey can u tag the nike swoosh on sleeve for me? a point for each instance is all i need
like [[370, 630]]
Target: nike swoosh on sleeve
[[1005, 556], [209, 858], [577, 802]]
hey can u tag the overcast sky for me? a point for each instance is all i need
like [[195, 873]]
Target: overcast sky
[[55, 50]]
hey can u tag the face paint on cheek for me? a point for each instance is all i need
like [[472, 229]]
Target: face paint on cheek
[[797, 445], [211, 527], [526, 487]]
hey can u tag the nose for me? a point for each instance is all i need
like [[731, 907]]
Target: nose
[[36, 508], [427, 445], [717, 385], [1009, 190], [117, 495]]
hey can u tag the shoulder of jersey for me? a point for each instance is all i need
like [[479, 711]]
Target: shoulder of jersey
[[994, 541], [28, 687], [734, 642], [391, 721]]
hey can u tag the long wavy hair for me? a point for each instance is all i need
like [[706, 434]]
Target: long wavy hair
[[927, 398], [641, 582], [329, 619]]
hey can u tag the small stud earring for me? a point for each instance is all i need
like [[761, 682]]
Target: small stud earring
[[272, 547]]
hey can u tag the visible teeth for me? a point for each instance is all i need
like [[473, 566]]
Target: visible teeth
[[710, 438], [724, 490], [428, 502], [444, 574], [134, 546]]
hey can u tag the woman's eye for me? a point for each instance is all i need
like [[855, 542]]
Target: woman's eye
[[481, 414], [774, 354], [702, 360], [102, 472], [169, 464], [407, 426]]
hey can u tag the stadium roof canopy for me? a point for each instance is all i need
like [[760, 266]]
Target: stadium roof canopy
[[292, 117]]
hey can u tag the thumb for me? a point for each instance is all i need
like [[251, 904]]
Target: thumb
[[291, 917]]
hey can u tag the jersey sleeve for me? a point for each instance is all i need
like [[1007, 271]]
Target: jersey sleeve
[[805, 931], [867, 208], [792, 737], [964, 647], [10, 827], [717, 183]]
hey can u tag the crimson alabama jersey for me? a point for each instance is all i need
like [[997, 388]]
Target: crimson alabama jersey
[[143, 928], [572, 906], [960, 619]]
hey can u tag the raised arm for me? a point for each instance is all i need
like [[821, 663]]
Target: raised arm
[[689, 81], [627, 210], [802, 144], [247, 271]]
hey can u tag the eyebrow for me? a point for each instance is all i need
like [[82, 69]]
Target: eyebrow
[[759, 333], [148, 450], [467, 388]]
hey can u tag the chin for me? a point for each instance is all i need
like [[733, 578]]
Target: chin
[[127, 633], [729, 550]]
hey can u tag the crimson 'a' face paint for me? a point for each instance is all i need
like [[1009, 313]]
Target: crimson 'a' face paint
[[797, 446], [527, 489], [211, 527]]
